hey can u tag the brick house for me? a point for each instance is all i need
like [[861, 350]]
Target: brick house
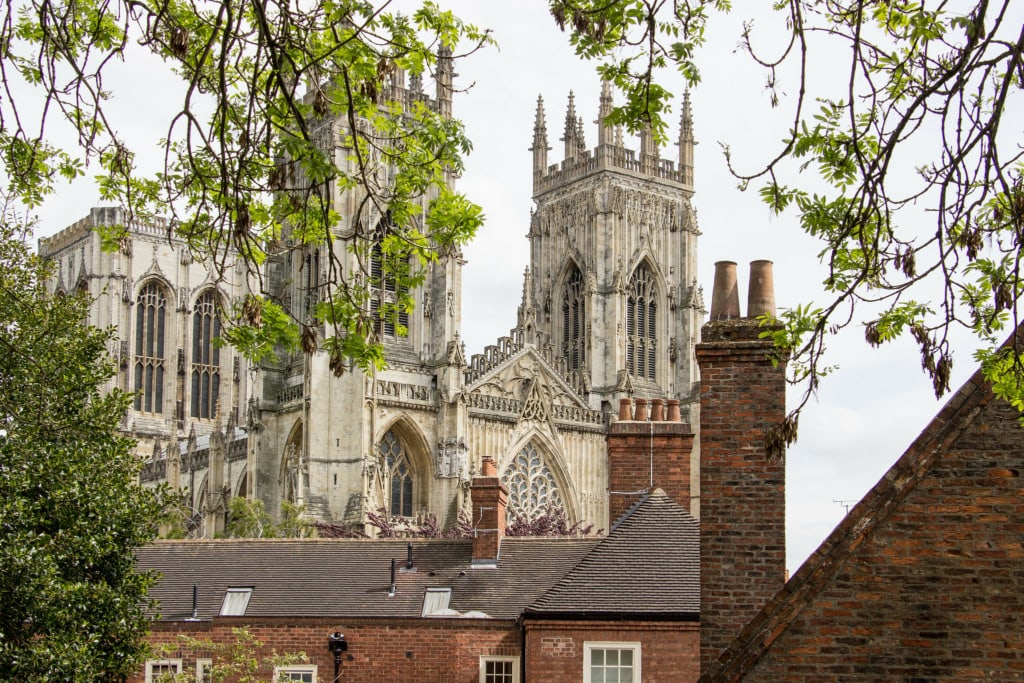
[[451, 612], [924, 578]]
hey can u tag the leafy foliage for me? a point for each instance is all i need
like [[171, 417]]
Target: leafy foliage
[[283, 107], [552, 521], [247, 518], [72, 606], [908, 166], [235, 660]]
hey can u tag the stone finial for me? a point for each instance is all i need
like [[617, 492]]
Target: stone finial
[[540, 139], [761, 291], [686, 141], [725, 298], [571, 127], [605, 132]]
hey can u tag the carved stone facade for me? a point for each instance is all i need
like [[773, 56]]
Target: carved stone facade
[[610, 308]]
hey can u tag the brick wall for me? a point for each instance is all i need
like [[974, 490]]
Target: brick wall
[[923, 581], [742, 530], [399, 650], [669, 651], [630, 462]]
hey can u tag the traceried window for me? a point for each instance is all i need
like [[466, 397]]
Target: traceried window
[[397, 473], [641, 324], [311, 265], [574, 320], [150, 330], [611, 662], [205, 357], [384, 290], [531, 486]]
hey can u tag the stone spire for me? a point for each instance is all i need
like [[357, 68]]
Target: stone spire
[[648, 150], [540, 140], [605, 132], [581, 142], [571, 127], [444, 79], [686, 141]]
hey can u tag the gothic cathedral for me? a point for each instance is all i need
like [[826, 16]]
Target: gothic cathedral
[[610, 309]]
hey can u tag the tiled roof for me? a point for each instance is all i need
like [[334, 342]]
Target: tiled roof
[[648, 565], [350, 578]]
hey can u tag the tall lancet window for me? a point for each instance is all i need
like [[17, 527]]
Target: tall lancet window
[[384, 289], [641, 324], [574, 325], [397, 474], [205, 357], [150, 324]]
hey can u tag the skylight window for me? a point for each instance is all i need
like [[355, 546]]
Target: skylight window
[[435, 602], [236, 600]]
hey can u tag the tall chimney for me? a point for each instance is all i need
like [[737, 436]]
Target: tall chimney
[[725, 297], [489, 498], [743, 500], [761, 292], [646, 453]]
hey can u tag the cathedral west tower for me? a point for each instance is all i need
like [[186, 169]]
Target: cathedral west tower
[[613, 251]]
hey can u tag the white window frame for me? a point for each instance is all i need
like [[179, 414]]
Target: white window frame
[[295, 669], [499, 658], [590, 646], [236, 601], [150, 663], [203, 667]]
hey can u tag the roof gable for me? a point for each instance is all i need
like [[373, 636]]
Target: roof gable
[[648, 565], [963, 434]]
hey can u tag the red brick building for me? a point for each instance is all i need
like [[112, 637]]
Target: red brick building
[[922, 581]]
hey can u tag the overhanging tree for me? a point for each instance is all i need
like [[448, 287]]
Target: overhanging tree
[[72, 606], [908, 171], [250, 158]]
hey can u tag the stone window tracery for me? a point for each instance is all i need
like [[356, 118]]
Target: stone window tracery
[[150, 329], [384, 288], [531, 486], [641, 324], [574, 345], [205, 357], [398, 477]]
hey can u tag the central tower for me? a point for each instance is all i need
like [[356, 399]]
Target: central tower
[[613, 252]]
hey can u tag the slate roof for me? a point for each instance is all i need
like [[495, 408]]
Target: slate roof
[[815, 575], [351, 577], [648, 565]]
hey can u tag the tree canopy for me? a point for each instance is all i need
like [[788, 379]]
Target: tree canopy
[[251, 152], [72, 606], [905, 164]]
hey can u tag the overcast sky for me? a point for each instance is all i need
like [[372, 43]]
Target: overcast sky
[[866, 413]]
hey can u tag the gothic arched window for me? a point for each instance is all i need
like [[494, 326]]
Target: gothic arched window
[[574, 345], [641, 324], [150, 324], [397, 474], [531, 486], [311, 264], [384, 290], [205, 357]]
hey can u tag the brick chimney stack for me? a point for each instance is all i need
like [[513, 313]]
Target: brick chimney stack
[[743, 497], [648, 449], [489, 498]]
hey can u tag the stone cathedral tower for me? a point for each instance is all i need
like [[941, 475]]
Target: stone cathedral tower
[[613, 261], [610, 311]]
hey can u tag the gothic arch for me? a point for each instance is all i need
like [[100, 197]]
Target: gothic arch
[[152, 340], [570, 313], [291, 463], [205, 369], [550, 455], [645, 321], [160, 280], [403, 438]]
